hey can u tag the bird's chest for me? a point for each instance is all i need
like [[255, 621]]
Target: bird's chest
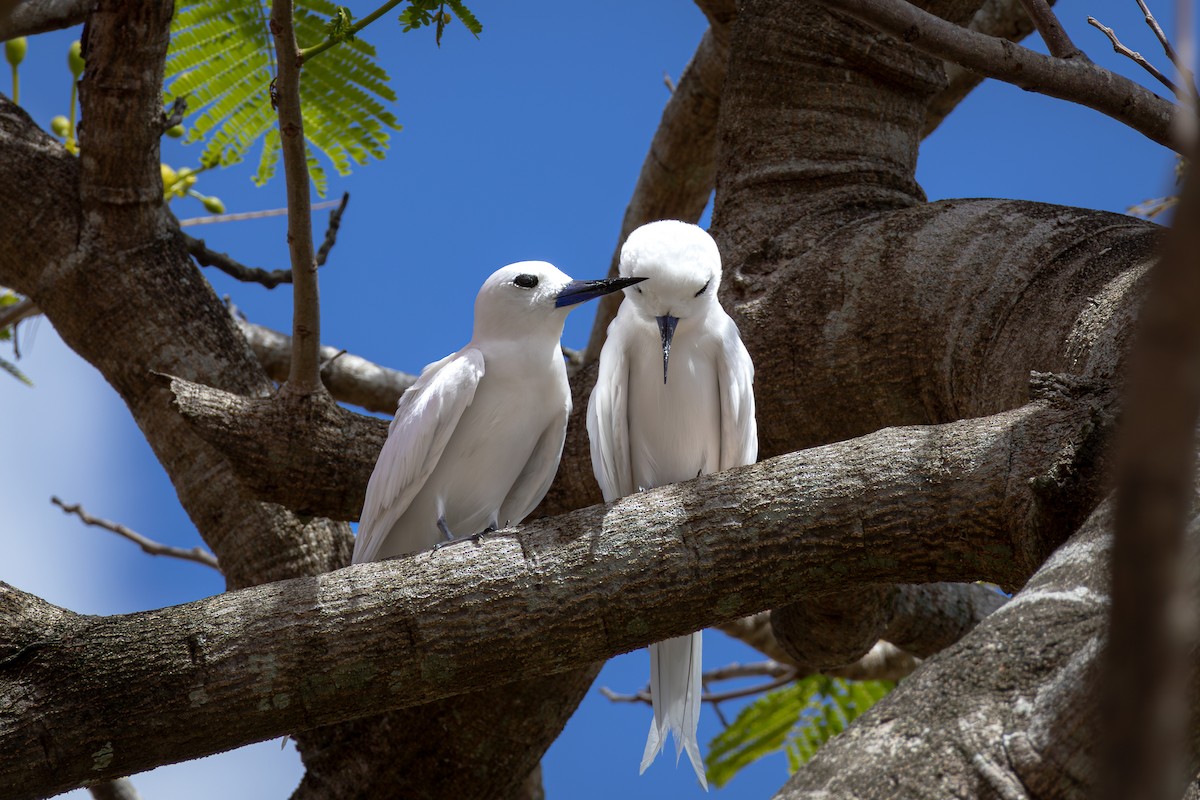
[[674, 428]]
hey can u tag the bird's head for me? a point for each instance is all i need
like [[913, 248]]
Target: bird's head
[[683, 266], [530, 296]]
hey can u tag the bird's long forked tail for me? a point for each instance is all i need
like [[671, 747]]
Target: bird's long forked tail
[[675, 690]]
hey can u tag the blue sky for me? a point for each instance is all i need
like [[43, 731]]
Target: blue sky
[[524, 144]]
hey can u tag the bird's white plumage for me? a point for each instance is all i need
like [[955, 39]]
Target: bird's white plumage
[[477, 439], [646, 433]]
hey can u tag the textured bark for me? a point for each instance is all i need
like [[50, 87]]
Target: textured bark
[[845, 285], [1009, 711], [27, 17], [349, 378], [831, 631], [144, 689]]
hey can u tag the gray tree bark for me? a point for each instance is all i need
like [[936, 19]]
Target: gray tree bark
[[846, 285]]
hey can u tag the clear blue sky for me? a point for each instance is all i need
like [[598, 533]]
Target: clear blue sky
[[524, 144]]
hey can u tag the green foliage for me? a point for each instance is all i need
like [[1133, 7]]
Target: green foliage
[[10, 298], [222, 60], [798, 719], [421, 13], [341, 27]]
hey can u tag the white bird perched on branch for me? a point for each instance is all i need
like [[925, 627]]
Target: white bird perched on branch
[[673, 400], [477, 439]]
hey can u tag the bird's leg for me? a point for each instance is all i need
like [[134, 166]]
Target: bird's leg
[[445, 529]]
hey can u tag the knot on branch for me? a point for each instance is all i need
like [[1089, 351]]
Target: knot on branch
[[302, 451]]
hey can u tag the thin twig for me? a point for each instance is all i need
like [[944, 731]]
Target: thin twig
[[304, 377], [227, 264], [213, 219], [1134, 56], [206, 257], [1162, 37], [1057, 41], [644, 695], [175, 114], [197, 554], [331, 231]]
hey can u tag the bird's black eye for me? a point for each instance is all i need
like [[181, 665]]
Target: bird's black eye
[[639, 290], [703, 288], [526, 281]]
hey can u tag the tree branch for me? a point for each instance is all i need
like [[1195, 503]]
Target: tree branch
[[349, 378], [256, 663], [1136, 57], [304, 377], [1057, 41], [1073, 80], [1149, 658], [39, 16], [197, 554], [18, 312]]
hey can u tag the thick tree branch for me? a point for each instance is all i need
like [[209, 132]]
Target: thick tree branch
[[1073, 80], [349, 378], [1015, 714], [831, 631], [884, 662], [257, 663], [28, 17], [304, 377], [328, 452], [149, 546], [1004, 19], [1057, 41], [1149, 655]]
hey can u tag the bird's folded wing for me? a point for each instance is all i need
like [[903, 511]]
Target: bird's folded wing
[[534, 481], [425, 419], [608, 419], [739, 431]]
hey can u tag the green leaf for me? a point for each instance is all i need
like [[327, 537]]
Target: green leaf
[[469, 20], [796, 719], [222, 59]]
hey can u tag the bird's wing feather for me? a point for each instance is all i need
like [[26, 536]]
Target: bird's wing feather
[[608, 418], [425, 418], [534, 481], [739, 430]]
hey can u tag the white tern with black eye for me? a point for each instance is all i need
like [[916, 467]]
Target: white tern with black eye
[[476, 440], [673, 400]]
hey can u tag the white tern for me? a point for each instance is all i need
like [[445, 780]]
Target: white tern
[[673, 400], [476, 440]]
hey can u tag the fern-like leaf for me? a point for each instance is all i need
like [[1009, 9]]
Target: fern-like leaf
[[796, 719], [222, 59]]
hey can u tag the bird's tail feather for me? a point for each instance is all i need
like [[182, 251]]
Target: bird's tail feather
[[675, 668]]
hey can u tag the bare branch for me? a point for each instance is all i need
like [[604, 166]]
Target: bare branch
[[206, 257], [1183, 67], [304, 377], [1136, 57], [1005, 19], [196, 554], [331, 230], [240, 216], [782, 676], [1057, 41], [39, 16], [1067, 79]]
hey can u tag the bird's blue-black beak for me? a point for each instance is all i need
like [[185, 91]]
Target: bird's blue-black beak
[[582, 291], [666, 326]]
